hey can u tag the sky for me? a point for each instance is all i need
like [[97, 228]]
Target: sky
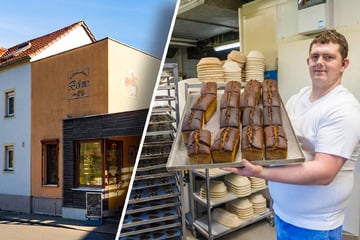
[[141, 24]]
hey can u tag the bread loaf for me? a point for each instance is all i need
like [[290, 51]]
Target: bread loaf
[[193, 120], [206, 103], [252, 143], [271, 98], [249, 99], [233, 86], [275, 143], [229, 99], [225, 145], [199, 147], [253, 86], [272, 116], [252, 116], [208, 88], [269, 85], [230, 117]]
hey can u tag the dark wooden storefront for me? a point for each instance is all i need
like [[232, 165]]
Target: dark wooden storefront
[[93, 127]]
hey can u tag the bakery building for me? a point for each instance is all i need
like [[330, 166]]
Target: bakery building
[[96, 109], [274, 38], [83, 110]]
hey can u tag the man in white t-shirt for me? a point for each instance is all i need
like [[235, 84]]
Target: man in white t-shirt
[[309, 198]]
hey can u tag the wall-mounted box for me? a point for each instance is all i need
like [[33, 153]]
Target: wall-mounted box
[[314, 16]]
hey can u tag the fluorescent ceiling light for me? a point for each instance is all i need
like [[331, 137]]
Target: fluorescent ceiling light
[[183, 44], [227, 45]]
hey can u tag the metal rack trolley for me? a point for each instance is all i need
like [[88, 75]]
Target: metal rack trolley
[[155, 206]]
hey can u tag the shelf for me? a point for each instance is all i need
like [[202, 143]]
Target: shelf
[[219, 230], [174, 193], [164, 98], [161, 118], [162, 109], [152, 176], [152, 205], [167, 87], [150, 217], [154, 231], [228, 197], [202, 174], [153, 183], [152, 156], [152, 167]]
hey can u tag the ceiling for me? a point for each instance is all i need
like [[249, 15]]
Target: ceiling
[[206, 22]]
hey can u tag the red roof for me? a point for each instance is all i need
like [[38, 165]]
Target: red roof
[[32, 47]]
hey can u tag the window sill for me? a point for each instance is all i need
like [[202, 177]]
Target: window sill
[[92, 189], [50, 185]]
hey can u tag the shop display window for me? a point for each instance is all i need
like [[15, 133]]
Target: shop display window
[[99, 162]]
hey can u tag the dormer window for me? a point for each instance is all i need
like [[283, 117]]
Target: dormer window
[[20, 48]]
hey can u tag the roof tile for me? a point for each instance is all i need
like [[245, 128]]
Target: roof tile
[[33, 47]]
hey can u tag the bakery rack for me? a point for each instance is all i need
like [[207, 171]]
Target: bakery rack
[[202, 219], [200, 216], [155, 206]]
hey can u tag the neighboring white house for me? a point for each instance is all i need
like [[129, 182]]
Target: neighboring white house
[[15, 109]]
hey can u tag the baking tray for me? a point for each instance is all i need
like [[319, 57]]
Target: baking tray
[[178, 158]]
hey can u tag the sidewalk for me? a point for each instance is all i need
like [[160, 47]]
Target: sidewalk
[[108, 226]]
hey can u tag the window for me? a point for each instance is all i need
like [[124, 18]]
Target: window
[[90, 163], [50, 162], [113, 162], [10, 104], [98, 162], [9, 158]]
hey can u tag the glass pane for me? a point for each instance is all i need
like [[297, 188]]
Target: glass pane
[[113, 161], [10, 159], [51, 164], [90, 163], [11, 106]]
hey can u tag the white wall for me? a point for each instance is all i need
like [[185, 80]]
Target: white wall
[[124, 61], [76, 38], [16, 130]]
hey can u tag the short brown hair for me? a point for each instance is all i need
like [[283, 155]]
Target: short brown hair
[[332, 36]]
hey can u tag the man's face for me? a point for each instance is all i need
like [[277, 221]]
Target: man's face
[[326, 65]]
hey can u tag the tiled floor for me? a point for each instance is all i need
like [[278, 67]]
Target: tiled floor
[[261, 230]]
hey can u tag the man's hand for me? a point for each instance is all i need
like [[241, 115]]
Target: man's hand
[[249, 169]]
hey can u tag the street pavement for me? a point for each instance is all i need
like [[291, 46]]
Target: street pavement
[[18, 226]]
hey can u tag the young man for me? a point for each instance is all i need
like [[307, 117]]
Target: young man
[[309, 198]]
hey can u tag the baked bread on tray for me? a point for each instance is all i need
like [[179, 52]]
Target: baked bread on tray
[[193, 120], [252, 143], [252, 116], [225, 145], [206, 103], [272, 116], [230, 99], [230, 117], [276, 146], [232, 86], [199, 147]]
